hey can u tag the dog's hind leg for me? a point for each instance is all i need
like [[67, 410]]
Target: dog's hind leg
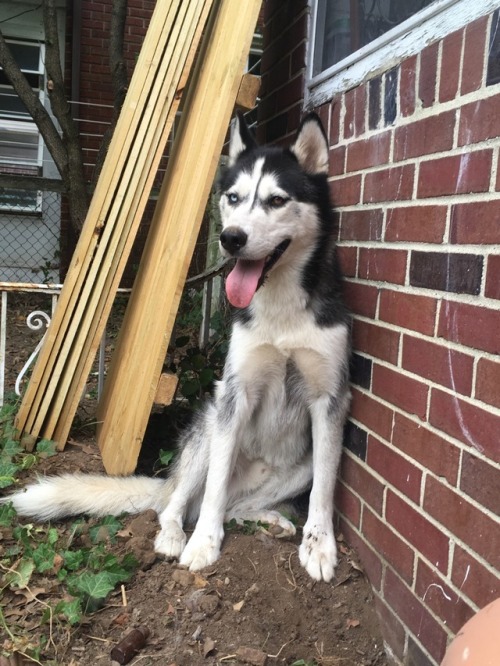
[[263, 503]]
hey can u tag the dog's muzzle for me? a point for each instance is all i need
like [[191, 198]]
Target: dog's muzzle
[[233, 239]]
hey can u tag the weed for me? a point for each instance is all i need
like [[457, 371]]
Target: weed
[[62, 575]]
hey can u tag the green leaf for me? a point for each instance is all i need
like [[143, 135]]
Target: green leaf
[[72, 610], [28, 461], [96, 585], [165, 457], [20, 576], [7, 514], [106, 528], [182, 341], [43, 557], [206, 377], [190, 387], [8, 471], [52, 535], [46, 448], [73, 559], [10, 449]]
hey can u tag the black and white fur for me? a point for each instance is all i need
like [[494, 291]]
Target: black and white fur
[[274, 428]]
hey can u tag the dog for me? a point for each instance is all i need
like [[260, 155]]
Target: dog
[[274, 427]]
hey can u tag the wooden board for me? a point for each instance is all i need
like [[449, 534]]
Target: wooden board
[[130, 387], [115, 211]]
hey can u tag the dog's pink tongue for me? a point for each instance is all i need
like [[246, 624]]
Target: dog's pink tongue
[[242, 282]]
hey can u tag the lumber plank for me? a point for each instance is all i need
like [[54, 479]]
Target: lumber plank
[[130, 387], [119, 248], [165, 390], [44, 378], [114, 215], [248, 92]]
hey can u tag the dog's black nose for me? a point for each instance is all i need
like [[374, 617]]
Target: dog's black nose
[[233, 239]]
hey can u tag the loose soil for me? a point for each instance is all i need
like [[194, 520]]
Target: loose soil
[[256, 605]]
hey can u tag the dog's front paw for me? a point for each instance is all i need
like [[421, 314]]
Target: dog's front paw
[[318, 552], [201, 551], [170, 541]]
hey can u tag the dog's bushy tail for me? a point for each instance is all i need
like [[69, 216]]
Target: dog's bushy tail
[[72, 494]]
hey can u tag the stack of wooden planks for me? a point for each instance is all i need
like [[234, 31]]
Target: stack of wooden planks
[[161, 73]]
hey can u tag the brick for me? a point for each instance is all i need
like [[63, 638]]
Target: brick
[[473, 60], [388, 544], [335, 120], [415, 616], [369, 559], [370, 152], [472, 578], [455, 174], [488, 382], [425, 447], [470, 325], [492, 288], [438, 363], [355, 111], [473, 527], [407, 90], [382, 265], [415, 655], [396, 470], [410, 311], [424, 224], [440, 598], [337, 161], [450, 66], [348, 259], [430, 135], [428, 72], [393, 631], [361, 298], [393, 184], [479, 121], [466, 422], [361, 371], [355, 440], [358, 478], [371, 413], [456, 273], [405, 392], [346, 191], [374, 102], [481, 481], [348, 504], [476, 223], [361, 225], [375, 340], [415, 527]]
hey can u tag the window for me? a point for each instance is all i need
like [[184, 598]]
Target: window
[[344, 26], [21, 146], [355, 39]]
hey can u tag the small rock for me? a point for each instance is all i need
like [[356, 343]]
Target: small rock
[[183, 577], [252, 656]]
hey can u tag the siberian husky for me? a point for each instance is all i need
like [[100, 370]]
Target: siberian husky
[[274, 428]]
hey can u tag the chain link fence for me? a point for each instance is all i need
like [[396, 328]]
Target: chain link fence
[[30, 233]]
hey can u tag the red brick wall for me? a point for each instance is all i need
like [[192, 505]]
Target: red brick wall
[[418, 201]]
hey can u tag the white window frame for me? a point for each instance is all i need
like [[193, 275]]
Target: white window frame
[[28, 127], [406, 39]]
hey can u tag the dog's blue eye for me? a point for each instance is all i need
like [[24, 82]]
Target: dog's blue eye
[[232, 198], [277, 201]]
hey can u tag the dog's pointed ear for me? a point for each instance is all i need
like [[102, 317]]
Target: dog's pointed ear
[[241, 139], [311, 146]]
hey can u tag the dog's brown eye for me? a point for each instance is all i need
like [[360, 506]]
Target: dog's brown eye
[[277, 201]]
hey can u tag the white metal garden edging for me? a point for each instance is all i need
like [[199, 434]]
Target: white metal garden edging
[[35, 321]]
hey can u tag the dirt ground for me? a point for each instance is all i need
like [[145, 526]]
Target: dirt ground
[[256, 605]]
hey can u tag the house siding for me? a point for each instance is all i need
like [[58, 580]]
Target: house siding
[[414, 178]]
